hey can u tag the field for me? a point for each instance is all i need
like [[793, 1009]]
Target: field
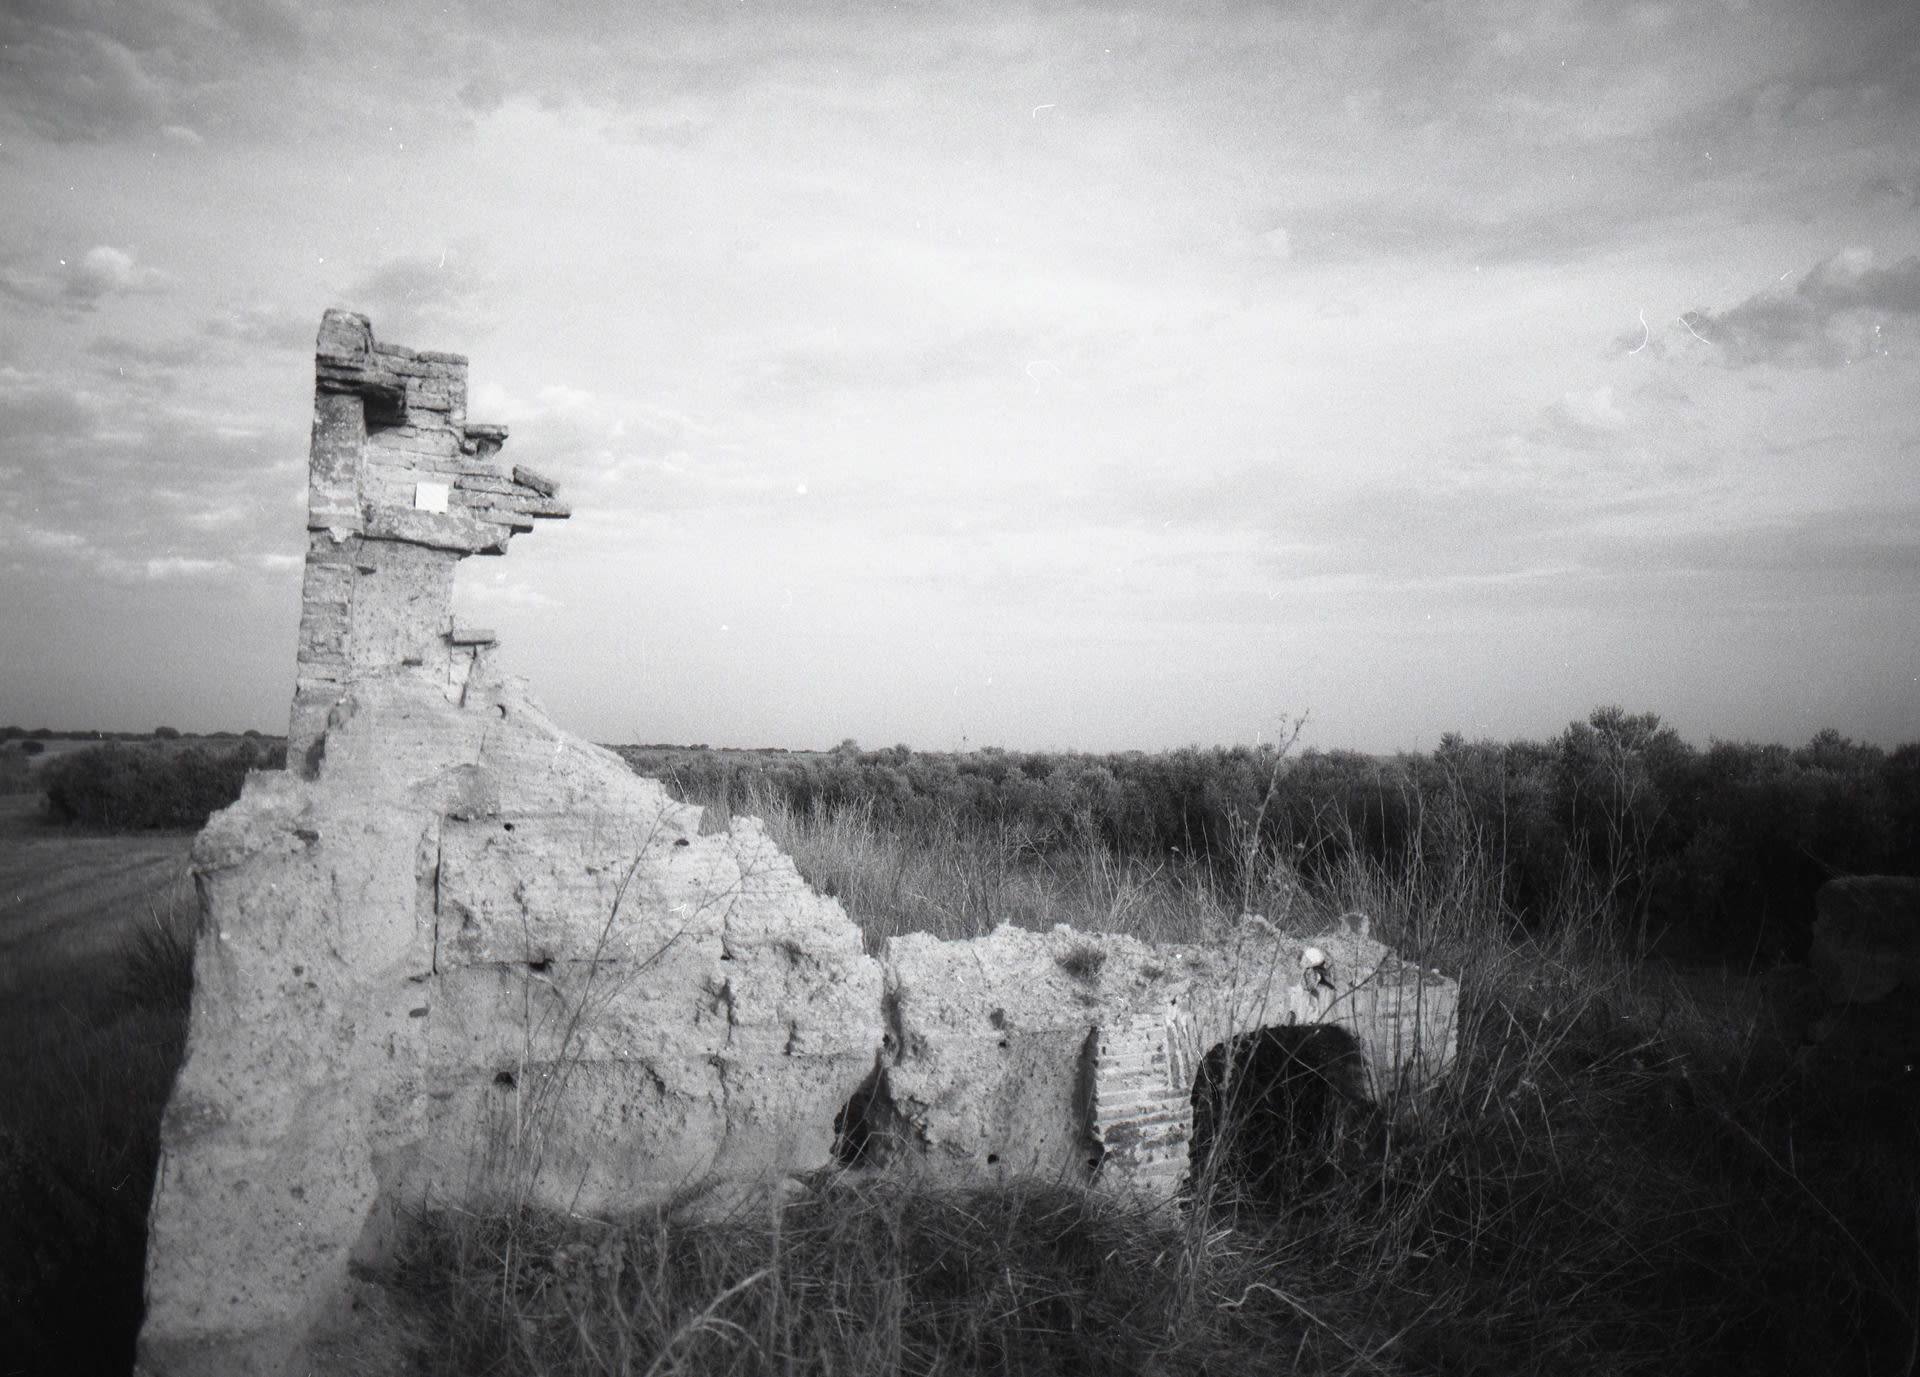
[[92, 1029], [1641, 1164]]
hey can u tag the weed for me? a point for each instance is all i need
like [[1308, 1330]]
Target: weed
[[1083, 962]]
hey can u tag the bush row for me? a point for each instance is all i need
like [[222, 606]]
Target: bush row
[[1723, 846], [131, 788]]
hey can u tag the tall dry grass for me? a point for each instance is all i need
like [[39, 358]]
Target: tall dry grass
[[1625, 1173], [1619, 1176], [960, 882]]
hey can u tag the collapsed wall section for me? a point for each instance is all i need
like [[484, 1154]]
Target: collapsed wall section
[[1076, 1055]]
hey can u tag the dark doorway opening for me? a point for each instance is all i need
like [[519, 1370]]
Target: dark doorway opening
[[865, 1128], [1267, 1107]]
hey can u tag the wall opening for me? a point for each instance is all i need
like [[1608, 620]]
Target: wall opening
[[865, 1129], [1267, 1105]]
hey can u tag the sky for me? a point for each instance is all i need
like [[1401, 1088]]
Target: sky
[[1048, 376]]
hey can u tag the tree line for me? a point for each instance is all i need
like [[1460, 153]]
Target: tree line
[[1722, 847]]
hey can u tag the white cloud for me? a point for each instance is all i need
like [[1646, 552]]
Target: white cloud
[[81, 283], [1593, 410], [263, 322], [187, 567], [105, 271]]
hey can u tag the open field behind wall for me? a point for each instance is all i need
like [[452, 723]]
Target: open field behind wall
[[92, 1023], [1639, 1165]]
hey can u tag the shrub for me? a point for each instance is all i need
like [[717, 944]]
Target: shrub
[[130, 788]]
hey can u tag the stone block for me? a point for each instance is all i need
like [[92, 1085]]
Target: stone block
[[458, 532], [527, 478]]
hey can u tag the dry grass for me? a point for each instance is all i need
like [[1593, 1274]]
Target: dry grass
[[875, 1275], [958, 883], [93, 1027], [1618, 1178], [1626, 1173]]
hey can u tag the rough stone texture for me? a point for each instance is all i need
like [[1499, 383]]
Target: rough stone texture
[[1073, 1055], [525, 974], [1866, 937], [462, 954], [400, 488], [454, 953]]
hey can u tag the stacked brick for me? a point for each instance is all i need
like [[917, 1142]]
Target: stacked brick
[[1142, 1106], [401, 487]]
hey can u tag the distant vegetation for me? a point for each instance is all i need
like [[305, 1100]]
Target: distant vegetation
[[18, 733], [1719, 848], [128, 788]]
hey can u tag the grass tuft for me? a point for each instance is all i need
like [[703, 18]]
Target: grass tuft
[[869, 1275], [1083, 962]]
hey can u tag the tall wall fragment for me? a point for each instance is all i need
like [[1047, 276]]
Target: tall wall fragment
[[400, 488], [455, 953]]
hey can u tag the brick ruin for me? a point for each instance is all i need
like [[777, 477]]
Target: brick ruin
[[401, 488], [455, 953]]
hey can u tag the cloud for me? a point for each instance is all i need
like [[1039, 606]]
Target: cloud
[[422, 296], [69, 82], [167, 355], [117, 479], [186, 567], [82, 283], [105, 271], [82, 71], [263, 322], [1855, 544], [1582, 416], [1842, 311], [34, 408]]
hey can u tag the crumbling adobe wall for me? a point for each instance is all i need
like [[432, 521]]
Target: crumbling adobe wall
[[455, 953], [1074, 1055]]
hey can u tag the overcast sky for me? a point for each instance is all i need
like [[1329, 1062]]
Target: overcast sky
[[1061, 375]]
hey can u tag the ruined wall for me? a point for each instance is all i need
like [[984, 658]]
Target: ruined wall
[[1074, 1055], [456, 953], [400, 488]]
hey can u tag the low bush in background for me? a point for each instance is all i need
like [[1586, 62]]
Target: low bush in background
[[1715, 850], [123, 787]]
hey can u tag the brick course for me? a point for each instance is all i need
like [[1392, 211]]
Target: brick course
[[386, 420]]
